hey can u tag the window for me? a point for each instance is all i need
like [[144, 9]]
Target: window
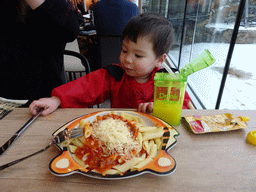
[[210, 24]]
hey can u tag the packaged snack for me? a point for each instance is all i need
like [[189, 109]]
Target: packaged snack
[[216, 123], [7, 105]]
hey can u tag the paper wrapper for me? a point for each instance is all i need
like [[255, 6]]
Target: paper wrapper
[[215, 123], [7, 105]]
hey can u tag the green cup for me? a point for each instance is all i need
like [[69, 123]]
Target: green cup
[[202, 61], [169, 91]]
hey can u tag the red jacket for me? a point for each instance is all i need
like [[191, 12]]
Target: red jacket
[[107, 83]]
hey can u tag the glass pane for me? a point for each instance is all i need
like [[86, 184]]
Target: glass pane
[[176, 15], [241, 80], [213, 31], [200, 33], [209, 25]]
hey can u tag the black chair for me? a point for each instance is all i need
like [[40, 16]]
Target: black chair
[[109, 49], [73, 74]]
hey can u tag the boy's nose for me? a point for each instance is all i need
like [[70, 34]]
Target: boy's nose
[[128, 59]]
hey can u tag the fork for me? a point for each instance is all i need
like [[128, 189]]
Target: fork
[[64, 135]]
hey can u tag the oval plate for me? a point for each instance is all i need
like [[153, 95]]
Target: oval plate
[[163, 164]]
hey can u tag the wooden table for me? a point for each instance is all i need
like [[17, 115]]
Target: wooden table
[[208, 162]]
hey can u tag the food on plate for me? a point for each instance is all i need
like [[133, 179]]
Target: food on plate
[[216, 123], [115, 144]]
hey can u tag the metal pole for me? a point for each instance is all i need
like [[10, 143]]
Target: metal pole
[[246, 13], [194, 33], [166, 8], [182, 33], [230, 52], [209, 7], [160, 6]]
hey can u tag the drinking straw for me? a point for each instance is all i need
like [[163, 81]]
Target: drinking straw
[[167, 68]]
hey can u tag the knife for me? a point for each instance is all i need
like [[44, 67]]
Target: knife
[[18, 133]]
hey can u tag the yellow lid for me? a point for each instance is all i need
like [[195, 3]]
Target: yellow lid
[[244, 119], [251, 137]]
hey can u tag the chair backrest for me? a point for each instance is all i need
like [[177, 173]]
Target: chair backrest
[[72, 63], [72, 67], [75, 64], [109, 49], [110, 18]]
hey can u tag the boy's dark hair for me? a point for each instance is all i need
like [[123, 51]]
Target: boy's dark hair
[[156, 27]]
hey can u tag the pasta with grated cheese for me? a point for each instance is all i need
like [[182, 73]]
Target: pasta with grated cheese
[[115, 144]]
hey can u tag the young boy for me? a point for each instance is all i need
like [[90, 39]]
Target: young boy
[[147, 40]]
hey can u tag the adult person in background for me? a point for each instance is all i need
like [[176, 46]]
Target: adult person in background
[[111, 16], [33, 37]]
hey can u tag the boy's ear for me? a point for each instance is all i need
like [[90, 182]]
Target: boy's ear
[[161, 59]]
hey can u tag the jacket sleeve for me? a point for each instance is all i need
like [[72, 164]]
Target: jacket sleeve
[[86, 91], [58, 19]]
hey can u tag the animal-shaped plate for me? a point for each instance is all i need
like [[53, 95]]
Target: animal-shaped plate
[[162, 164]]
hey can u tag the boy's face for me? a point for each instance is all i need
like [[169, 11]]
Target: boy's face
[[138, 59]]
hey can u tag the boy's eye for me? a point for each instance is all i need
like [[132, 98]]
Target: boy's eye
[[124, 51], [139, 56]]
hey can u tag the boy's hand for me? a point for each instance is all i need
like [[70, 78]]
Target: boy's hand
[[146, 107], [48, 105]]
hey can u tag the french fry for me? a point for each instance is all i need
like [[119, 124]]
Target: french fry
[[77, 142]]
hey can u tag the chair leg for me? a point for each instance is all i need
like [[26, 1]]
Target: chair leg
[[69, 76]]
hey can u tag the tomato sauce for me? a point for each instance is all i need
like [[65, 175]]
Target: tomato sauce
[[93, 155]]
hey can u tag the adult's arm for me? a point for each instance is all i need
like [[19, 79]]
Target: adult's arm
[[34, 3], [57, 19]]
